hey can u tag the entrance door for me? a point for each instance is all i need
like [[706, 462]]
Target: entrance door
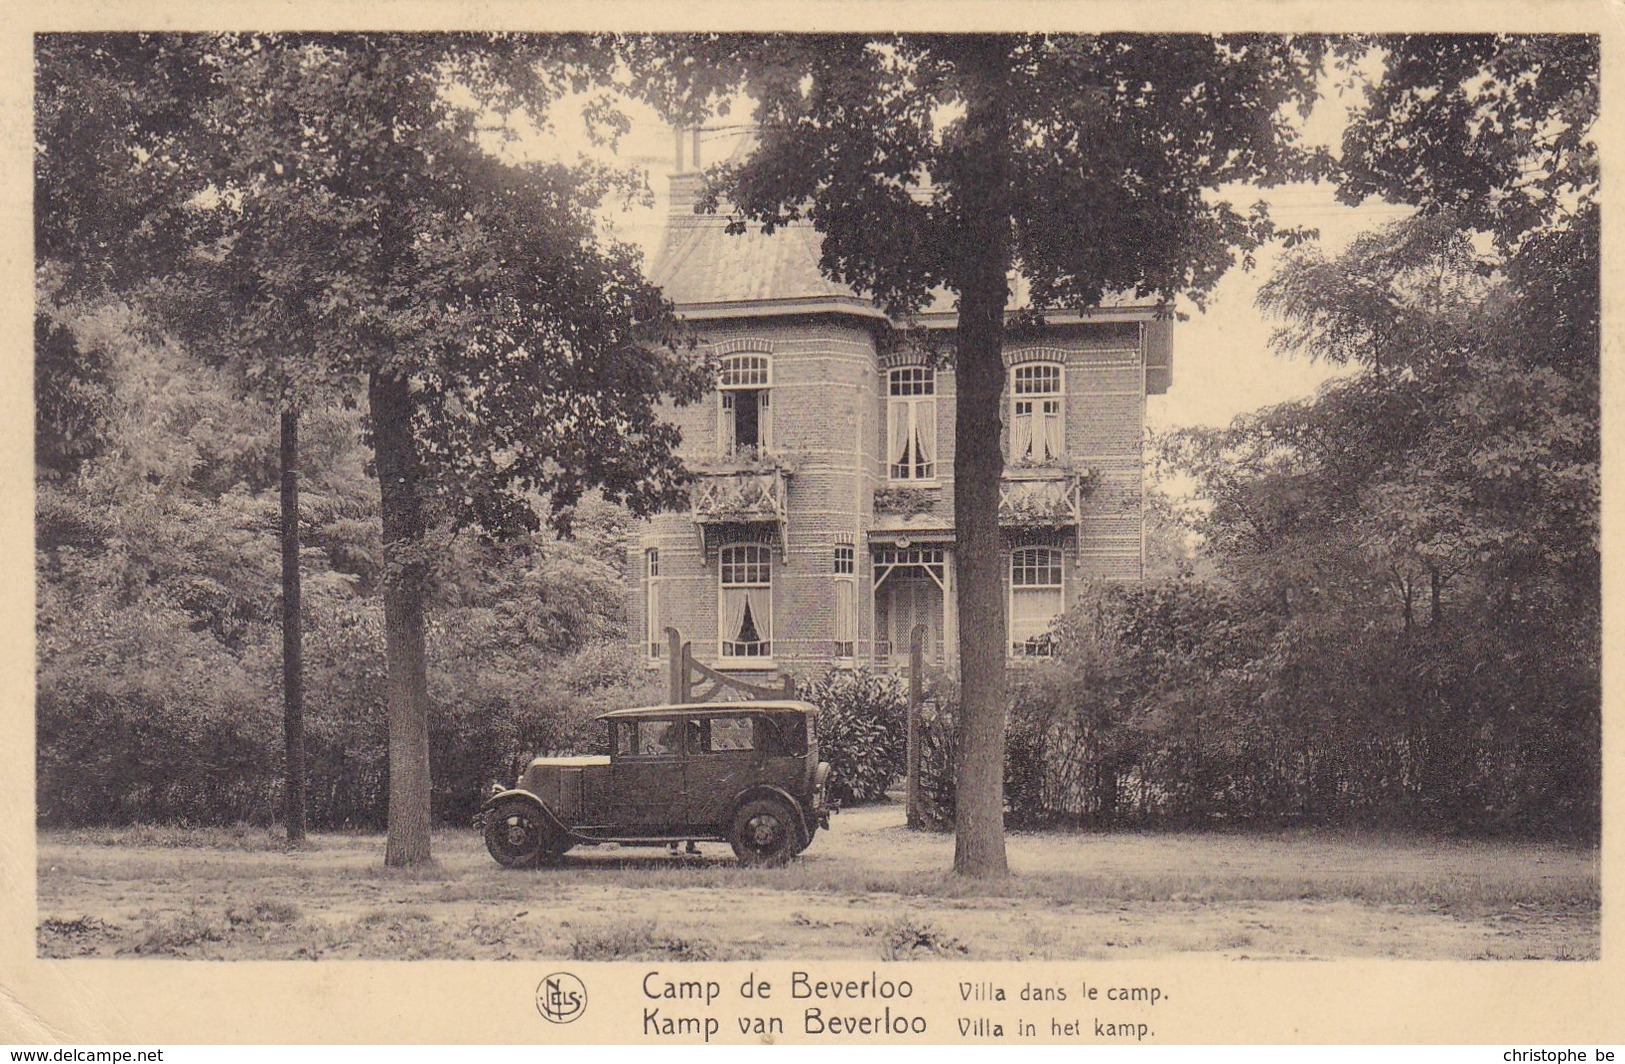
[[909, 597]]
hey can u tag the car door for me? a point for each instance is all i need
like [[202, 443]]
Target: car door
[[646, 777], [725, 759]]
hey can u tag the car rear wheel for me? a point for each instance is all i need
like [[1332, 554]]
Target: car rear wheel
[[765, 833], [518, 836]]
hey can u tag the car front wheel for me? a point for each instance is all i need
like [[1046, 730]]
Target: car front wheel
[[515, 834], [765, 833]]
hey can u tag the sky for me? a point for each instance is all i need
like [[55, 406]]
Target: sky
[[1223, 365]]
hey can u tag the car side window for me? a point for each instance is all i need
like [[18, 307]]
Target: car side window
[[731, 734], [648, 738], [782, 735]]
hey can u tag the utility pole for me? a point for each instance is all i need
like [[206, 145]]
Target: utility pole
[[293, 694]]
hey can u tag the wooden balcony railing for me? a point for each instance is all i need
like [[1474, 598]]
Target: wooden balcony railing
[[739, 498], [1039, 498]]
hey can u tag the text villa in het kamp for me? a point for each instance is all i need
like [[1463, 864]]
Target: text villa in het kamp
[[807, 1006]]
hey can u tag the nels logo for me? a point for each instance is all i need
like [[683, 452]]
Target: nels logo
[[561, 998]]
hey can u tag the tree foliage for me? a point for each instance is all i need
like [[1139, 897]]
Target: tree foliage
[[929, 162], [1402, 620], [157, 618], [320, 215]]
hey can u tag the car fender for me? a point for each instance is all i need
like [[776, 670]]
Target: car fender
[[548, 815], [768, 790]]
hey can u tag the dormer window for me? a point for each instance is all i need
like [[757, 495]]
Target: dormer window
[[911, 423], [1037, 421], [745, 422]]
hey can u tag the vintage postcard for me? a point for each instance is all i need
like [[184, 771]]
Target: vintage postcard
[[1000, 525]]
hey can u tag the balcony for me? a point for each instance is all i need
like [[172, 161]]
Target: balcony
[[1039, 498], [739, 497]]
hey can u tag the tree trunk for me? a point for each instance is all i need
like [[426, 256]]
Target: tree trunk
[[1435, 587], [293, 694], [405, 581], [984, 194]]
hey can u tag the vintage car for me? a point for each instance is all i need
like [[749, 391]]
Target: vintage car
[[744, 772]]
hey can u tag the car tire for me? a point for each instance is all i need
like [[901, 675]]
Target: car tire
[[805, 839], [765, 832], [517, 833]]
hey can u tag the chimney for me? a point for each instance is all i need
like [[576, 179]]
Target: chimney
[[685, 180]]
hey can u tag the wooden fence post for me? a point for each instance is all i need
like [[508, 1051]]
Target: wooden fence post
[[916, 665], [674, 644]]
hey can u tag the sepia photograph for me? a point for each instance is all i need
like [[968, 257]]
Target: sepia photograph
[[891, 504]]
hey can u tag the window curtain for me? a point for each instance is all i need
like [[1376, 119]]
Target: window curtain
[[1031, 611], [897, 443], [725, 425], [925, 438], [1021, 431], [733, 617], [1054, 443], [764, 421], [761, 611]]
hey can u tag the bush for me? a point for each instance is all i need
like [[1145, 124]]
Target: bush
[[862, 729]]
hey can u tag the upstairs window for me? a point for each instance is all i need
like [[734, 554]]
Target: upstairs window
[[746, 604], [745, 416], [1037, 422], [1035, 599], [911, 423]]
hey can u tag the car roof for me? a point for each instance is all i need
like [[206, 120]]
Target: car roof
[[710, 709]]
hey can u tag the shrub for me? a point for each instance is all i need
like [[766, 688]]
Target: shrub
[[907, 939], [937, 745], [862, 725]]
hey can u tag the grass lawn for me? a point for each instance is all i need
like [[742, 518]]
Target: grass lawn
[[868, 889]]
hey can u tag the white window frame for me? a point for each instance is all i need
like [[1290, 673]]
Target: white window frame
[[744, 372], [911, 391], [745, 567], [1024, 560], [844, 564], [653, 628], [1028, 444]]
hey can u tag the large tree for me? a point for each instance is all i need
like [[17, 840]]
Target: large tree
[[1431, 522], [1086, 163], [345, 226]]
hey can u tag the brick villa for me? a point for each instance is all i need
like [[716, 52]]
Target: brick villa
[[821, 529]]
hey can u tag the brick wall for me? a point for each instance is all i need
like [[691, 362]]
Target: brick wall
[[829, 410]]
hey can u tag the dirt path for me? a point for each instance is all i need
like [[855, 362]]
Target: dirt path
[[868, 889]]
